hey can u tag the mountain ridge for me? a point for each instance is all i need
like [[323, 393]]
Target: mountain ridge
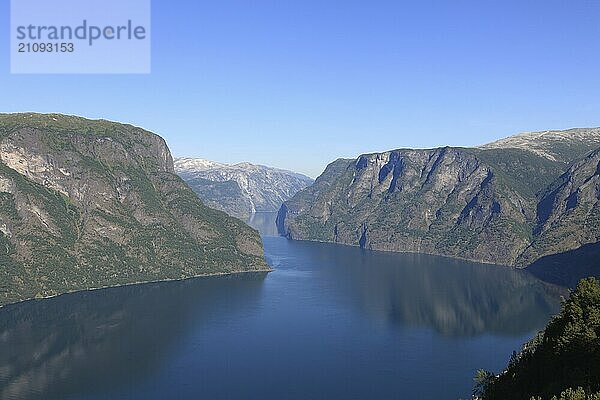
[[240, 189], [544, 143]]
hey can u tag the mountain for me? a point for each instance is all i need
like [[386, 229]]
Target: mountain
[[563, 146], [241, 189], [87, 204], [484, 204], [569, 209]]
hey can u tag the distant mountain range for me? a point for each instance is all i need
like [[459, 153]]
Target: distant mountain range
[[240, 189], [510, 202]]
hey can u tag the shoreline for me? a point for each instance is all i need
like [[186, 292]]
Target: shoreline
[[216, 274], [408, 252]]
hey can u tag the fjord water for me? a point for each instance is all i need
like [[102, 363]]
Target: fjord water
[[331, 322]]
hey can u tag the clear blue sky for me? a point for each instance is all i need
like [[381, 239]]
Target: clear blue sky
[[297, 84]]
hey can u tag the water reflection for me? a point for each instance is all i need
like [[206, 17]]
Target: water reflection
[[264, 222], [91, 341], [331, 322], [570, 267], [452, 297]]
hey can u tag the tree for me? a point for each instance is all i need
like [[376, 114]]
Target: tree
[[565, 355], [482, 380]]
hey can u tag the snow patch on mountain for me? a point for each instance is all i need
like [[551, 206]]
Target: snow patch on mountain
[[240, 189]]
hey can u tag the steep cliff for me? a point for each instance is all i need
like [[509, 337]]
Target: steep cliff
[[87, 204], [474, 203], [241, 189], [568, 213]]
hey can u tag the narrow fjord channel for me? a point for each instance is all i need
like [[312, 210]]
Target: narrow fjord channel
[[331, 322]]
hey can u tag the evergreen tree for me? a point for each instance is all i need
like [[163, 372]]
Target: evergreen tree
[[565, 355]]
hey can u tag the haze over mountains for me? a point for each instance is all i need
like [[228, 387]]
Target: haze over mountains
[[510, 202], [240, 189]]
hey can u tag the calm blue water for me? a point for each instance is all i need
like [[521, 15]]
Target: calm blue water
[[331, 322]]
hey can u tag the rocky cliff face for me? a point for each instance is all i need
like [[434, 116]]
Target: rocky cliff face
[[480, 204], [240, 189], [87, 204]]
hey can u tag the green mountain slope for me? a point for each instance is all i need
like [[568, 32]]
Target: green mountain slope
[[87, 204]]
